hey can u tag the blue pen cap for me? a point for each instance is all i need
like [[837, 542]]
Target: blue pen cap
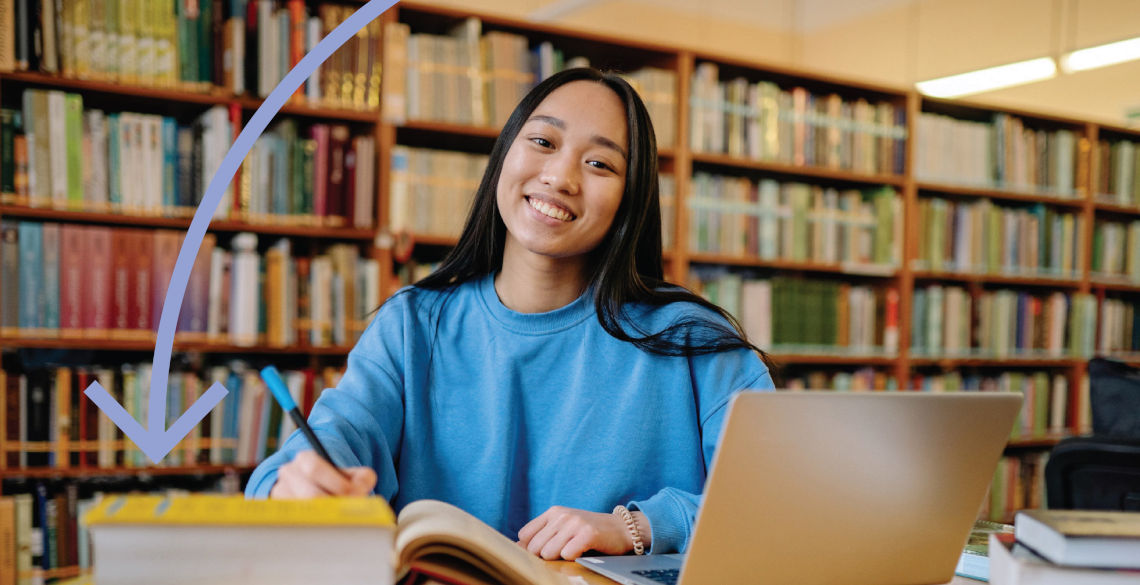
[[277, 387]]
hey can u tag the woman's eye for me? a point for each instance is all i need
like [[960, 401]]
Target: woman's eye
[[599, 165], [542, 142]]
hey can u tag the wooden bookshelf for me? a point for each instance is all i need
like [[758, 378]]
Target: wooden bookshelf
[[795, 171], [150, 470], [679, 158], [179, 346], [1002, 195], [286, 226]]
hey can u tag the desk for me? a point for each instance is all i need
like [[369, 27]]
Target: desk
[[572, 569]]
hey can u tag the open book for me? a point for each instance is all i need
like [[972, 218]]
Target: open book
[[194, 539], [437, 542]]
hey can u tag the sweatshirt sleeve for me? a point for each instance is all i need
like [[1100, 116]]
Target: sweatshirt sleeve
[[671, 512], [361, 420]]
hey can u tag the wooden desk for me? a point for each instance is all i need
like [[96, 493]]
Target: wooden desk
[[572, 569]]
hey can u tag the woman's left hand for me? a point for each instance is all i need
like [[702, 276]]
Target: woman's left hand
[[566, 533]]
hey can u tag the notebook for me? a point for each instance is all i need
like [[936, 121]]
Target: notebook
[[827, 487]]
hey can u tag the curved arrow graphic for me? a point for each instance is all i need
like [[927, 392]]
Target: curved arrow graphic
[[156, 440]]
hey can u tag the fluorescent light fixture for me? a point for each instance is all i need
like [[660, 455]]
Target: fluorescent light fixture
[[1102, 56], [989, 79]]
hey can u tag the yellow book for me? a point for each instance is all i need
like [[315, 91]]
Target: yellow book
[[146, 539]]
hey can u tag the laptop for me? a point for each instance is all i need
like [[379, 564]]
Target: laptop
[[827, 487]]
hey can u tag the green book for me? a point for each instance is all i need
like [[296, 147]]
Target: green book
[[73, 125], [7, 159]]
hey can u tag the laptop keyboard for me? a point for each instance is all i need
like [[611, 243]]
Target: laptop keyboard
[[666, 576]]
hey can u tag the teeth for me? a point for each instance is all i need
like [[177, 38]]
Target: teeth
[[549, 210]]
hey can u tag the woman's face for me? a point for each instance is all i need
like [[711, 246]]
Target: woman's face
[[564, 174]]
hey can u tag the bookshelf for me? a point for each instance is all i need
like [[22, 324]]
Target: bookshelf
[[841, 154]]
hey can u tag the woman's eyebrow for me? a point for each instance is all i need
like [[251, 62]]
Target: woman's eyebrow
[[596, 139]]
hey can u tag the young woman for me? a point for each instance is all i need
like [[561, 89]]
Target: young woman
[[545, 374]]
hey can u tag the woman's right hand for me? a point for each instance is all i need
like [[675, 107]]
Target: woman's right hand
[[310, 476]]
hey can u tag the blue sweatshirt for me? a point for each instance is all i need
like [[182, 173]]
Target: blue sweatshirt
[[452, 396]]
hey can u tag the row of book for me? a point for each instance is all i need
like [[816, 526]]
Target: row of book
[[1018, 484], [774, 220], [66, 157], [265, 39], [1119, 327], [766, 122], [860, 380], [1116, 172], [431, 190], [982, 237], [241, 45], [48, 422], [93, 282], [44, 533], [947, 321], [1116, 251], [472, 77], [1045, 409], [792, 315], [1002, 153]]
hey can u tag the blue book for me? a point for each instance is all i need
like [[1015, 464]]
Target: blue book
[[169, 163], [50, 301], [31, 274]]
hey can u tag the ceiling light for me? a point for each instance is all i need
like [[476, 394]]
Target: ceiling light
[[990, 79], [1102, 55]]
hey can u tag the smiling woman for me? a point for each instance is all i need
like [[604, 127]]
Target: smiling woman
[[545, 374]]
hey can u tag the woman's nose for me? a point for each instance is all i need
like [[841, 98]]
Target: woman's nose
[[561, 174]]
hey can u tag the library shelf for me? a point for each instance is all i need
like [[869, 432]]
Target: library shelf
[[434, 240], [866, 270], [1115, 208], [450, 129], [1013, 361], [287, 227], [837, 359], [798, 171], [976, 278], [1121, 285], [1036, 441], [151, 470], [103, 344], [181, 93], [1000, 194], [301, 107]]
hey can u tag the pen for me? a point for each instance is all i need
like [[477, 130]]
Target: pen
[[281, 393]]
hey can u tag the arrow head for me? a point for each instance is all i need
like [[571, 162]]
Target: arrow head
[[155, 443]]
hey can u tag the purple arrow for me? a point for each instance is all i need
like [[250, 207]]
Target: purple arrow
[[156, 440]]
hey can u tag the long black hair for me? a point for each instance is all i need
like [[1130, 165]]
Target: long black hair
[[626, 267]]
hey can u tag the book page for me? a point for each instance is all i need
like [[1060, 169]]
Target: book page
[[434, 527]]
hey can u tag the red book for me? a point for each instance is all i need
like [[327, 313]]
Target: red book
[[142, 250], [338, 145], [97, 297], [166, 246], [235, 124], [71, 279], [120, 282], [348, 210]]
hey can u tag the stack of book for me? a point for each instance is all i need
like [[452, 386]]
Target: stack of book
[[1068, 546]]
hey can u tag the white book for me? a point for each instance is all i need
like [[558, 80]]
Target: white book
[[95, 189], [243, 295], [1082, 538], [218, 374], [1060, 401], [312, 37], [57, 138], [266, 40]]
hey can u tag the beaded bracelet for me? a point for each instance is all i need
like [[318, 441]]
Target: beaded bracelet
[[623, 513]]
